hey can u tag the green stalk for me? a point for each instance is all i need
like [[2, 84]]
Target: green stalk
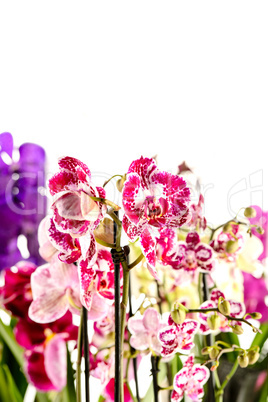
[[219, 392], [79, 359], [123, 321]]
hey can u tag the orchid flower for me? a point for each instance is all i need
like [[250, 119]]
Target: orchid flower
[[177, 337], [144, 331], [75, 212], [237, 310], [152, 200], [55, 289], [190, 381]]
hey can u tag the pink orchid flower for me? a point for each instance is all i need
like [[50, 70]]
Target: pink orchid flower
[[152, 200], [197, 218], [190, 380], [144, 331], [46, 365], [237, 311], [74, 210], [195, 254], [55, 289], [177, 337], [219, 244]]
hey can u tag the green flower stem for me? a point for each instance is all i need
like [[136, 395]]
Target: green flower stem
[[123, 320], [230, 318], [115, 175], [79, 359], [106, 202], [219, 392], [104, 243], [136, 262]]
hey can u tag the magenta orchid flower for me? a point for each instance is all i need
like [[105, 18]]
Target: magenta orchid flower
[[152, 200], [195, 254], [55, 289], [190, 380], [197, 218], [219, 244], [237, 311], [46, 366], [75, 212], [144, 331], [177, 337]]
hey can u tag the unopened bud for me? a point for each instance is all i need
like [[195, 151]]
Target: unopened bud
[[120, 183], [214, 321], [256, 316], [243, 360], [178, 315], [237, 329], [213, 354], [260, 230], [227, 227], [205, 351], [231, 246], [224, 306], [250, 212], [253, 356], [215, 365]]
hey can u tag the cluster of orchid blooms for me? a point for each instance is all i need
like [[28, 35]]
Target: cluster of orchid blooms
[[176, 259]]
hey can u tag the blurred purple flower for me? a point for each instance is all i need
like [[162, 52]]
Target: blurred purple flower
[[261, 219], [22, 206], [255, 292]]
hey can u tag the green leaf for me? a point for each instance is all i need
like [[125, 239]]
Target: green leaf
[[264, 393], [176, 365], [69, 390], [101, 399], [260, 339], [8, 337], [42, 397], [8, 389]]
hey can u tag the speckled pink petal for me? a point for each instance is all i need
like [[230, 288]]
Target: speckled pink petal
[[133, 198], [180, 380], [176, 396], [189, 326], [148, 246], [151, 320], [237, 309], [167, 336], [62, 181], [144, 168], [86, 276], [48, 307], [215, 295], [131, 230], [56, 361], [203, 253], [200, 373], [65, 243]]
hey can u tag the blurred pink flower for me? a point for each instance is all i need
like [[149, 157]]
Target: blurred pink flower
[[190, 380]]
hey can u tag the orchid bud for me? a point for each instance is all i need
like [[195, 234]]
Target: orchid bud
[[253, 356], [224, 306], [206, 350], [256, 316], [231, 246], [237, 329], [215, 365], [250, 212], [213, 354], [120, 183], [243, 360], [179, 314], [227, 227], [260, 230], [214, 321]]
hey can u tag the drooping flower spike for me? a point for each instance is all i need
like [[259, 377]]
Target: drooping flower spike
[[152, 200], [190, 380]]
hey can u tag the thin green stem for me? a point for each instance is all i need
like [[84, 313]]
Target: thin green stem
[[106, 202], [107, 181], [104, 243], [123, 319], [219, 391], [136, 262], [79, 359]]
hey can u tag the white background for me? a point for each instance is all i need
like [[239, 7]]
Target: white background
[[109, 81]]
